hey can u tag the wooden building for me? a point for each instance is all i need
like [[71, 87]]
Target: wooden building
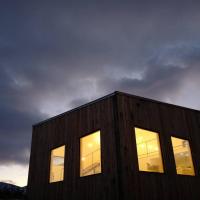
[[120, 147]]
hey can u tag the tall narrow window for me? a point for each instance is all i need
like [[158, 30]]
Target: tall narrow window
[[182, 155], [148, 151], [57, 164], [90, 154]]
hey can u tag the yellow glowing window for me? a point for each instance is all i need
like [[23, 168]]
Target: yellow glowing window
[[148, 151], [90, 154], [57, 164], [182, 155]]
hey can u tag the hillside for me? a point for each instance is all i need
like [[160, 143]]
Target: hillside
[[11, 192]]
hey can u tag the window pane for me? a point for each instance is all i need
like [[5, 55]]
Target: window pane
[[148, 151], [57, 164], [90, 154], [182, 155]]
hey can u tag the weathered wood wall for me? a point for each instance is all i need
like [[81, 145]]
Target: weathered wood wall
[[116, 116], [67, 129], [167, 120]]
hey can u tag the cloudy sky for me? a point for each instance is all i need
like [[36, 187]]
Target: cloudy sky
[[56, 55]]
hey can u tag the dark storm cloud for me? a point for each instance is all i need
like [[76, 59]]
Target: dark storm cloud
[[15, 135], [16, 119], [56, 55], [164, 74]]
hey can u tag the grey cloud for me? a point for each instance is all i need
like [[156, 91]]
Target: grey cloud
[[164, 75], [15, 133], [78, 102], [55, 56]]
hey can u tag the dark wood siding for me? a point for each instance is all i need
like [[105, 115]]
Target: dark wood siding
[[167, 120], [115, 116], [68, 129]]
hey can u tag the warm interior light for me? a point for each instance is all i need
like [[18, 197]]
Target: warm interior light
[[90, 145], [90, 153], [57, 164], [83, 158], [142, 145], [97, 139], [148, 150], [150, 146], [182, 155]]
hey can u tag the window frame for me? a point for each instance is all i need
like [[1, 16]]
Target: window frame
[[101, 154], [191, 153], [161, 151], [49, 174]]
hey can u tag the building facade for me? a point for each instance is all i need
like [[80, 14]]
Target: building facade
[[121, 147]]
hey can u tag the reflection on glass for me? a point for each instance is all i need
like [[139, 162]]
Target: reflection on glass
[[182, 155], [148, 151], [57, 164], [90, 154]]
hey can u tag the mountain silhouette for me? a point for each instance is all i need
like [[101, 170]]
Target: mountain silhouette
[[10, 191]]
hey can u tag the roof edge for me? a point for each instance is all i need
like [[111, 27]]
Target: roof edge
[[77, 108], [156, 101], [108, 96]]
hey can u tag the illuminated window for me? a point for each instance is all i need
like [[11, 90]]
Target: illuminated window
[[182, 155], [148, 151], [90, 154], [57, 164]]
